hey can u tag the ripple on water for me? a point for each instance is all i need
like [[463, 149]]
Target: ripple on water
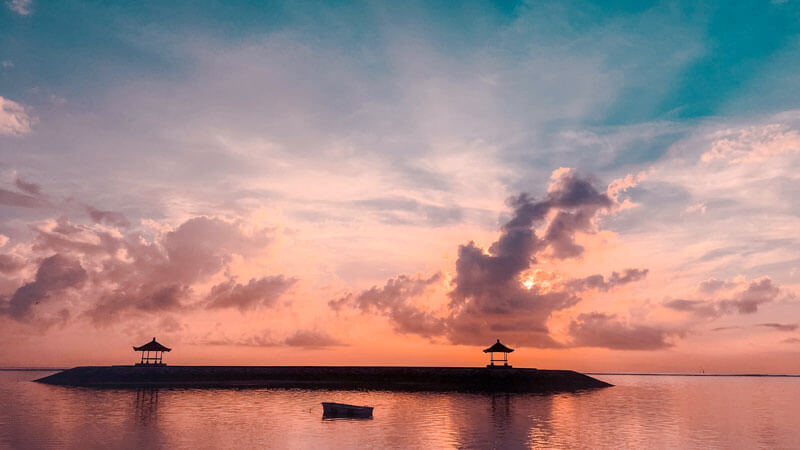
[[640, 411]]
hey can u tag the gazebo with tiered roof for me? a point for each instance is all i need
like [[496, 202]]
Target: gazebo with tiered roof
[[498, 348], [157, 351]]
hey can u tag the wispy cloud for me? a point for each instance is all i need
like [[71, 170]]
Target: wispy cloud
[[15, 119], [22, 7]]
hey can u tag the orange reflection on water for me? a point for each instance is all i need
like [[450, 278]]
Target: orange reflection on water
[[640, 411]]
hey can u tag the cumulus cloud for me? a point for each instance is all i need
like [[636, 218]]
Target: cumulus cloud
[[261, 292], [55, 273], [15, 119], [157, 276], [144, 270], [606, 330], [112, 218], [487, 296]]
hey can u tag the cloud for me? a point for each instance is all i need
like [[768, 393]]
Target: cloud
[[311, 339], [394, 300], [746, 301], [713, 285], [10, 264], [488, 296], [791, 340], [27, 187], [157, 269], [15, 119], [157, 276], [726, 328], [22, 7], [598, 282], [753, 143], [702, 308], [261, 292], [779, 326], [11, 198], [405, 210], [605, 330], [55, 273], [112, 218]]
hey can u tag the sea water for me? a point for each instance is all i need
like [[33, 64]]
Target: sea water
[[638, 412]]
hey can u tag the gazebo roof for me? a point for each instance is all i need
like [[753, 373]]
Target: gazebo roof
[[152, 346], [498, 348]]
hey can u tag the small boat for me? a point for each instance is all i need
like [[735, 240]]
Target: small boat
[[343, 410]]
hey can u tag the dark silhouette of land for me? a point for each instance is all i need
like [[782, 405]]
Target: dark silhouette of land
[[477, 379]]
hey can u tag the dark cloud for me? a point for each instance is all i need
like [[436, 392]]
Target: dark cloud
[[311, 339], [10, 264], [28, 188], [11, 198], [140, 273], [726, 328], [779, 326], [112, 218], [259, 292], [488, 295], [605, 330], [56, 273], [394, 300], [791, 340], [743, 302], [488, 298]]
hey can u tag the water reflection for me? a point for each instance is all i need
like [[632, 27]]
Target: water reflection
[[146, 408], [639, 412]]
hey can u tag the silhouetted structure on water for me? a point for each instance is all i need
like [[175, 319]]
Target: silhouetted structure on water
[[157, 350], [498, 348]]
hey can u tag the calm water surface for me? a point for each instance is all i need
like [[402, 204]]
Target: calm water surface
[[639, 412]]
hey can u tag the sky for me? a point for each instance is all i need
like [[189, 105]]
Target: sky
[[607, 186]]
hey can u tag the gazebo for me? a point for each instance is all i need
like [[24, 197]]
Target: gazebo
[[157, 350], [498, 348]]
